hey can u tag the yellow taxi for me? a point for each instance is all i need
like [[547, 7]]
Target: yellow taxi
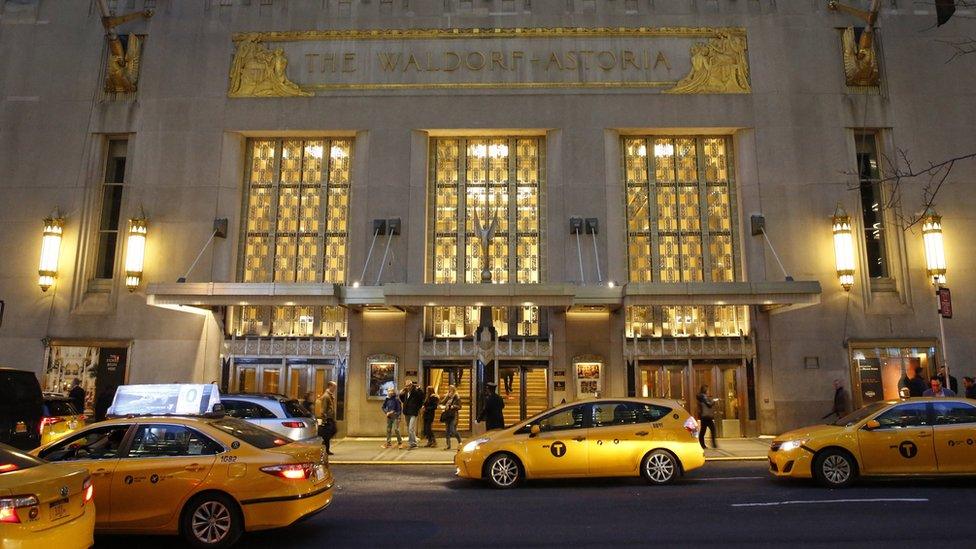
[[918, 436], [208, 478], [656, 439], [59, 418], [44, 505]]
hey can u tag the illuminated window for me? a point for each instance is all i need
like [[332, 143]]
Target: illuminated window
[[872, 204], [680, 229], [483, 178], [295, 230], [111, 208]]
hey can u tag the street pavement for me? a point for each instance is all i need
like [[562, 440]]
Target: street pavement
[[732, 503]]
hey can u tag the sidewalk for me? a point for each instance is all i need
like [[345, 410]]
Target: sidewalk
[[368, 451]]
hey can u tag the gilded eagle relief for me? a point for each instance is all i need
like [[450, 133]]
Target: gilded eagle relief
[[259, 72], [717, 66], [860, 61], [122, 75]]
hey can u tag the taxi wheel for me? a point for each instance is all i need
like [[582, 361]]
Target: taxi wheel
[[660, 467], [211, 520], [834, 468], [503, 471]]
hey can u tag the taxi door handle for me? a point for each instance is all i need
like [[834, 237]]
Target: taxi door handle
[[193, 467], [924, 435], [579, 439], [101, 471], [642, 433]]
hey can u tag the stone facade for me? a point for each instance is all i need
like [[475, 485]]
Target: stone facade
[[792, 140]]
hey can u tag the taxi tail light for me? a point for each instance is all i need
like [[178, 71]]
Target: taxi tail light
[[89, 490], [292, 471], [293, 424], [9, 506]]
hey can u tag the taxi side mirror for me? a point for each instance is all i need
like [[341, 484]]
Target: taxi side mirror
[[872, 425], [535, 430]]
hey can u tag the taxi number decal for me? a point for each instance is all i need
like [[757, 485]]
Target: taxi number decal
[[907, 449], [657, 425], [968, 442], [558, 449], [228, 459]]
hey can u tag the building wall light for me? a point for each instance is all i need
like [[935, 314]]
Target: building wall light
[[47, 270], [935, 261], [135, 252], [843, 247]]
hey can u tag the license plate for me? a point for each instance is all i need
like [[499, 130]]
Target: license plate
[[59, 509], [319, 473], [21, 428]]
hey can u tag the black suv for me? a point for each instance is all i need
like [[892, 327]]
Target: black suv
[[21, 408]]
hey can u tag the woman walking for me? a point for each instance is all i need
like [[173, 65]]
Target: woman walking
[[430, 406], [451, 404], [707, 416], [392, 407]]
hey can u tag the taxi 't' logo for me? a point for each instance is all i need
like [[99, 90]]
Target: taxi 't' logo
[[558, 449], [907, 449]]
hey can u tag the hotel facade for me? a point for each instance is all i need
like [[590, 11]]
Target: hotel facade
[[640, 197]]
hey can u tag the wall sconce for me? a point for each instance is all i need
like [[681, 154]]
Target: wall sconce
[[843, 247], [935, 261], [135, 252], [47, 270]]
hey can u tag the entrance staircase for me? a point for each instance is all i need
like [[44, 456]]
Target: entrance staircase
[[535, 393]]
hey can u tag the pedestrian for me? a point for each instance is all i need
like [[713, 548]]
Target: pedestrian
[[413, 401], [328, 427], [706, 415], [937, 390], [392, 408], [509, 378], [840, 401], [451, 403], [953, 382], [77, 395], [430, 408], [491, 414], [308, 402], [970, 384], [912, 382]]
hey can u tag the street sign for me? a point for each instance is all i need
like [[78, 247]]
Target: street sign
[[945, 302]]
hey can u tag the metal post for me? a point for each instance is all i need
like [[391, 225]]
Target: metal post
[[942, 338], [776, 255], [389, 239], [369, 254], [579, 254], [596, 255]]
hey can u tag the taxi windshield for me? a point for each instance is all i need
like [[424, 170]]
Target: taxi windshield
[[258, 437], [858, 415]]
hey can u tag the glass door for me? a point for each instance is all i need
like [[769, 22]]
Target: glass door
[[525, 389], [722, 379], [259, 377], [663, 380]]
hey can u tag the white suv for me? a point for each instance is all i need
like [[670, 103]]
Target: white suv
[[278, 413]]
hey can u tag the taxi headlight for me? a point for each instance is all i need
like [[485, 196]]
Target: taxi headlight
[[791, 445], [474, 444]]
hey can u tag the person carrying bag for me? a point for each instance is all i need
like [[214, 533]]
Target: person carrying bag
[[451, 404]]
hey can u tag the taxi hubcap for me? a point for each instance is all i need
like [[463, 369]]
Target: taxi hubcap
[[504, 471], [659, 468], [836, 469], [211, 522]]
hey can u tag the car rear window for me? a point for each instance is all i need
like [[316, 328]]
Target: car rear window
[[246, 410], [19, 387], [293, 408], [11, 460], [59, 408], [258, 437]]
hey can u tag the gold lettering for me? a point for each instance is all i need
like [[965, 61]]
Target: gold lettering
[[498, 59], [662, 59], [389, 61], [554, 60], [584, 54], [647, 61], [411, 60], [328, 59], [456, 63], [349, 62], [517, 56], [430, 63], [628, 57], [310, 61], [477, 66], [611, 60], [572, 62]]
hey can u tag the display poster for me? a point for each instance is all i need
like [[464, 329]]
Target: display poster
[[67, 363], [382, 376], [869, 374], [588, 378]]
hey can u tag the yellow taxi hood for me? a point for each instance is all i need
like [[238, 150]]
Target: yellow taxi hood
[[812, 431]]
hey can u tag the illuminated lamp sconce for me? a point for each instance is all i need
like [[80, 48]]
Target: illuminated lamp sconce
[[935, 261], [47, 270], [135, 252], [843, 247]]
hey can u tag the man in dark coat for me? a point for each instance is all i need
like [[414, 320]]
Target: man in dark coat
[[491, 414], [77, 396], [912, 383], [413, 400], [840, 401], [953, 382]]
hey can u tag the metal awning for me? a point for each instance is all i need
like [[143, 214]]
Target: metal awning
[[204, 294], [497, 295], [771, 296]]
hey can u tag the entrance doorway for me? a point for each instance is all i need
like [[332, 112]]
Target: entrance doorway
[[525, 388], [664, 380], [293, 377], [722, 379], [440, 375], [681, 381]]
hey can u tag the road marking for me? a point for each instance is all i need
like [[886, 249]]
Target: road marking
[[815, 501]]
